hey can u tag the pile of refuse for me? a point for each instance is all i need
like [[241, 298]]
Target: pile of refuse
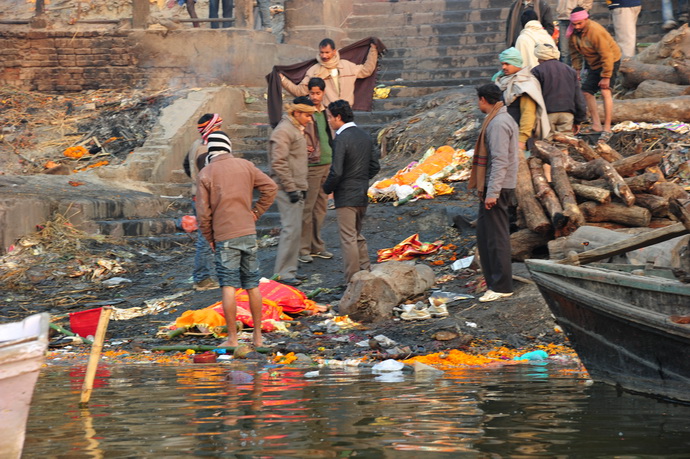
[[61, 134], [424, 179]]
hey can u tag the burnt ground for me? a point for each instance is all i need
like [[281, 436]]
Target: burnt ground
[[46, 277]]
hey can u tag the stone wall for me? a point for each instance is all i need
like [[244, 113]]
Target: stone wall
[[65, 61]]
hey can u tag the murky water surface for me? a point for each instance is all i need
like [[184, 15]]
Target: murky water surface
[[251, 411]]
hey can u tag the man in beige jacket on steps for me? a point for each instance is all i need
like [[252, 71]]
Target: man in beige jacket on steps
[[339, 74]]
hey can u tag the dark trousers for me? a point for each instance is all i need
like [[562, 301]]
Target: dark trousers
[[493, 242]]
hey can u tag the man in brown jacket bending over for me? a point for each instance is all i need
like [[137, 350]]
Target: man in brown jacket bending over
[[226, 219]]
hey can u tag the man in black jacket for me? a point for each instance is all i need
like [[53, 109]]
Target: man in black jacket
[[355, 162], [565, 104]]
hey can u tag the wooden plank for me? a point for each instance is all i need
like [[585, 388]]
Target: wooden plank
[[681, 210], [633, 243]]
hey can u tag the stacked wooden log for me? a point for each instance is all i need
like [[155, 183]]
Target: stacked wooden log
[[660, 77], [603, 189]]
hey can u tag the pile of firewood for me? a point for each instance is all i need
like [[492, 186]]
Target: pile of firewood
[[603, 189], [660, 78]]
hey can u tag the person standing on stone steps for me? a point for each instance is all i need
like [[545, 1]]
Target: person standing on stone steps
[[193, 163], [494, 176], [227, 219], [563, 9], [624, 15], [320, 155], [355, 162], [214, 7], [513, 26], [287, 157]]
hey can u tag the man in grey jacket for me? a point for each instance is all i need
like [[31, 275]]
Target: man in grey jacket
[[494, 176], [355, 162], [287, 155]]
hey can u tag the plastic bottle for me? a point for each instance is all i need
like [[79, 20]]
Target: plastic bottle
[[534, 355]]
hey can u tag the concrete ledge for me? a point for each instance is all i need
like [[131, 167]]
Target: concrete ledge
[[32, 200]]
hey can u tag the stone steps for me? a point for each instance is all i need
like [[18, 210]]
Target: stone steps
[[384, 33], [420, 47], [430, 19], [443, 62], [390, 8], [137, 227]]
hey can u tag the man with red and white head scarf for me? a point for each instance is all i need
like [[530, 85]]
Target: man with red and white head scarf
[[193, 163], [594, 48]]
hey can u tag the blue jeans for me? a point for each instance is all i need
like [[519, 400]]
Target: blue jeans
[[213, 6], [202, 257], [563, 45], [667, 9], [237, 263]]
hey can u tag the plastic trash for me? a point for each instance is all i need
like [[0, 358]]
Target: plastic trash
[[534, 355], [438, 298], [115, 281], [462, 263], [385, 341], [395, 376], [387, 366], [312, 374], [189, 223]]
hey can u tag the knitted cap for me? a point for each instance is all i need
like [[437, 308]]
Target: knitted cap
[[219, 141]]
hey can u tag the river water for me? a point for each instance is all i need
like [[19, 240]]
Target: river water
[[237, 411]]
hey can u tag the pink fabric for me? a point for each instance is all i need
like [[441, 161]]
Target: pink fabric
[[577, 16]]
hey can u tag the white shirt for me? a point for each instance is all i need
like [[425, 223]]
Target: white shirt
[[345, 126]]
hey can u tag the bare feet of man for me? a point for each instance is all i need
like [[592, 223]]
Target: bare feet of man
[[257, 339]]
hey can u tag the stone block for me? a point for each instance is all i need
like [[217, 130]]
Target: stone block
[[67, 61], [371, 296]]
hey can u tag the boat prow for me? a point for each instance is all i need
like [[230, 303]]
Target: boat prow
[[22, 352], [623, 326]]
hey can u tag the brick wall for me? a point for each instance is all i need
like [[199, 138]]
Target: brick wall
[[67, 61]]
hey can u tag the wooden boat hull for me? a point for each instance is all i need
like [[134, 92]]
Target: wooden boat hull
[[619, 324], [22, 352]]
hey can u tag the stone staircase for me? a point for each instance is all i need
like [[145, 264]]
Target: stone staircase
[[432, 45]]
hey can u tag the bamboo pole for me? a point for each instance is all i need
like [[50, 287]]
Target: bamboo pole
[[62, 330], [95, 355]]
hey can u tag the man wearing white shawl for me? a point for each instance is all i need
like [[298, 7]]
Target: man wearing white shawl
[[532, 34], [522, 95]]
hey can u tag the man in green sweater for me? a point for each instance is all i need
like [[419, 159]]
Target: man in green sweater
[[320, 154]]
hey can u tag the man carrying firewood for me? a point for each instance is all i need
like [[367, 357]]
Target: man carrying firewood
[[494, 176]]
